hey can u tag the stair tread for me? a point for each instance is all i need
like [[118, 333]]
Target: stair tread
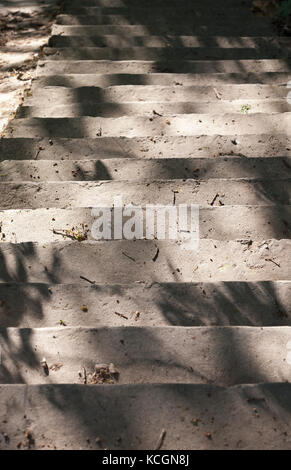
[[240, 191], [121, 411], [134, 169], [56, 148], [139, 126], [240, 222], [222, 355], [65, 262], [36, 305]]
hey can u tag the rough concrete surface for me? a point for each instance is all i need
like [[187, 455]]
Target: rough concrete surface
[[106, 344]]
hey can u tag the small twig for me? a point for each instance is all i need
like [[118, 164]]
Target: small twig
[[129, 257], [157, 114], [174, 196], [161, 439], [44, 366], [156, 255], [88, 280], [217, 94], [272, 261], [121, 315], [85, 376], [214, 199], [38, 152]]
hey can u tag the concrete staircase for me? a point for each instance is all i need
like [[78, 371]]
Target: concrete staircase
[[160, 102]]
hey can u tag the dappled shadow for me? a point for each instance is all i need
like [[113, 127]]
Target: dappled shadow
[[18, 301], [177, 304]]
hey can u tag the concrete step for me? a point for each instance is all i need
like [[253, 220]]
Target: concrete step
[[62, 38], [152, 261], [46, 77], [239, 222], [33, 195], [140, 126], [154, 93], [156, 9], [159, 147], [181, 19], [55, 67], [109, 110], [141, 14], [132, 417], [158, 3], [162, 53], [192, 304], [132, 169], [173, 28], [157, 15], [224, 356]]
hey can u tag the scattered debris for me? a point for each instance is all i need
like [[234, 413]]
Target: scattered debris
[[88, 280], [157, 114], [62, 323], [272, 261], [217, 94], [85, 375], [137, 315], [127, 256], [56, 366], [103, 373], [38, 152], [44, 366], [195, 421], [76, 233], [29, 439], [121, 315], [214, 199], [99, 442], [154, 259], [254, 399], [246, 242], [174, 196], [245, 108], [208, 435], [161, 439], [168, 122], [84, 308]]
